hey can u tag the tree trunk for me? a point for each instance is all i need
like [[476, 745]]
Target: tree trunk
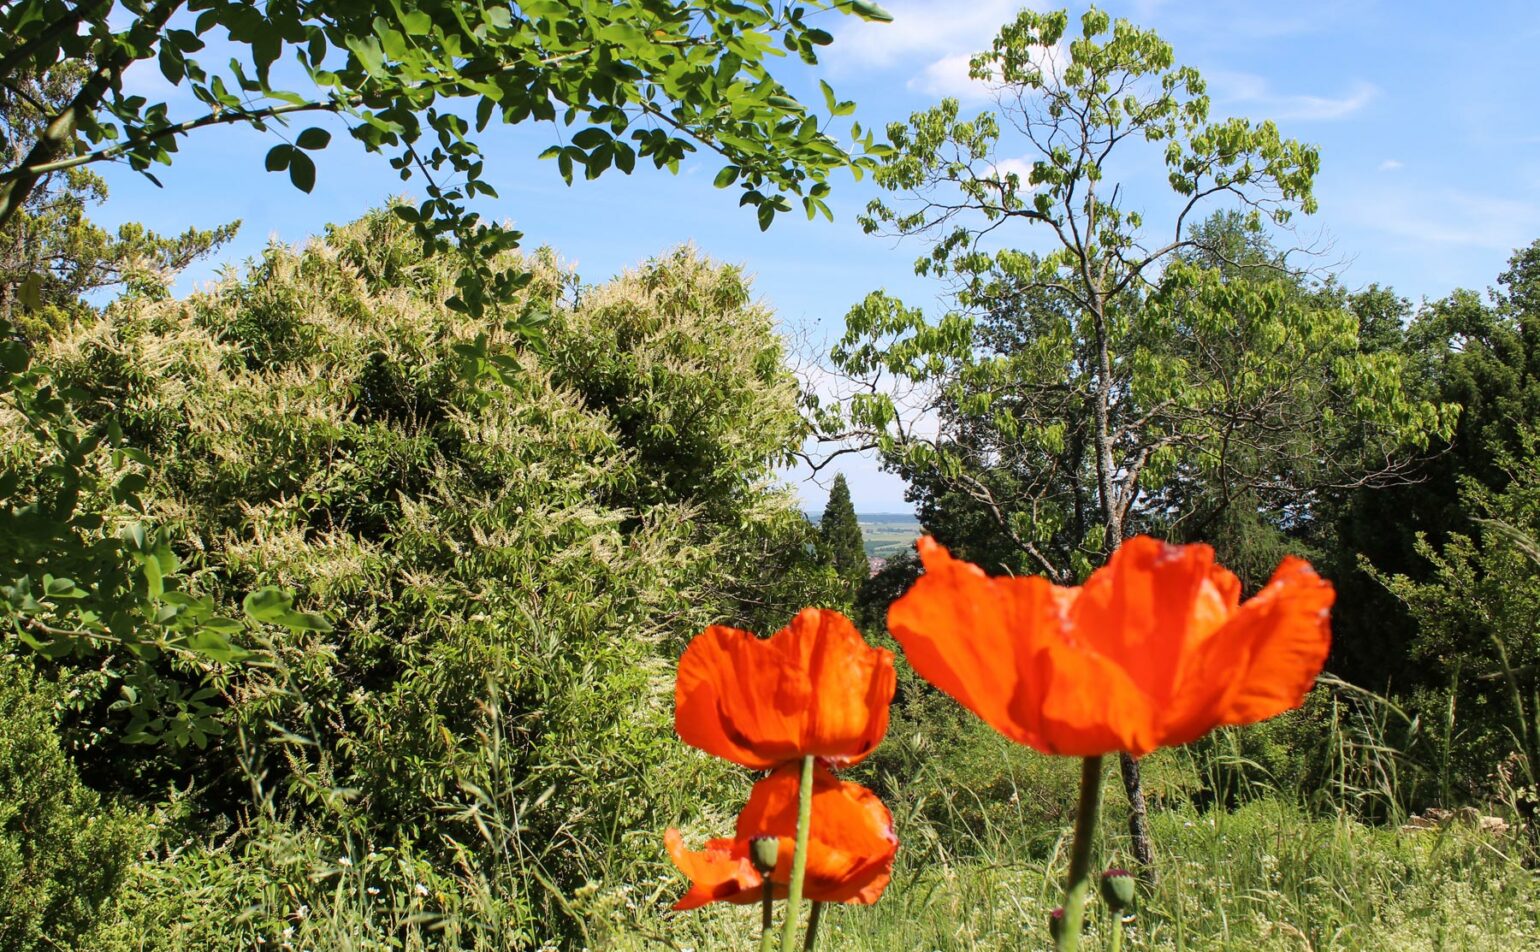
[[1112, 520], [1139, 821]]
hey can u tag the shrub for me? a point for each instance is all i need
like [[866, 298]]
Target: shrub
[[512, 546], [63, 850]]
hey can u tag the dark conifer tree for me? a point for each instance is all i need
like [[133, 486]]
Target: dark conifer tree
[[842, 535]]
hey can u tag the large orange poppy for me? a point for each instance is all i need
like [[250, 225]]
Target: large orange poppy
[[814, 688], [850, 845], [1154, 650]]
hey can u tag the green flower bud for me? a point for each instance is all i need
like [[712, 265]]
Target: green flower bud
[[764, 851], [1118, 889]]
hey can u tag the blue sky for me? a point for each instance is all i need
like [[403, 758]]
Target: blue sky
[[1425, 119]]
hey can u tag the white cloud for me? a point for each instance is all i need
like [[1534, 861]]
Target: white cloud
[[948, 76], [930, 29], [1021, 167], [1446, 216], [1252, 92], [1391, 165]]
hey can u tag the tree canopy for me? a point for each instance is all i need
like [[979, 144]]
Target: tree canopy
[[417, 80], [1134, 375]]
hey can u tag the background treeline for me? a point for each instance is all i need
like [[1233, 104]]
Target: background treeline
[[1431, 546]]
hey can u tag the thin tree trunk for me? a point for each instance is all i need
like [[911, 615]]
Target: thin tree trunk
[[1112, 520]]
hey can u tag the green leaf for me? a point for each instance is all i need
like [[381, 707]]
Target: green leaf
[[267, 604], [278, 157], [867, 10], [31, 292], [369, 54], [590, 138], [305, 621], [416, 22], [60, 588], [726, 177], [153, 579], [313, 138], [302, 171], [211, 644]]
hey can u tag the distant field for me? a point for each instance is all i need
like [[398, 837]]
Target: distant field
[[888, 533], [885, 533]]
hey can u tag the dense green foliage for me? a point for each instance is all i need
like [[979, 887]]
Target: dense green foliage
[[510, 546], [63, 853]]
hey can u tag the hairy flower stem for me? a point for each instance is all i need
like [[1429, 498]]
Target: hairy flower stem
[[1078, 883], [767, 905], [1117, 932], [812, 927], [798, 858]]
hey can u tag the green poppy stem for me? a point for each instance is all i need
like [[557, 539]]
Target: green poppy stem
[[1078, 883], [1117, 932], [798, 858], [767, 931], [812, 927]]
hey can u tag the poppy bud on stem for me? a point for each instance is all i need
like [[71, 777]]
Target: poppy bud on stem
[[799, 857], [1078, 883], [764, 851]]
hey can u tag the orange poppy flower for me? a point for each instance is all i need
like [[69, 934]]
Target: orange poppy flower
[[850, 845], [813, 688], [1154, 650]]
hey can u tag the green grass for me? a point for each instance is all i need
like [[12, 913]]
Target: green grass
[[1263, 877], [984, 826]]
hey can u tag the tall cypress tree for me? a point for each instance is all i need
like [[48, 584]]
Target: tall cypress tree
[[842, 534]]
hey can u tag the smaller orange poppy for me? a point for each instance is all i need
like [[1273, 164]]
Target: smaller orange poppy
[[850, 846], [814, 688], [1154, 650]]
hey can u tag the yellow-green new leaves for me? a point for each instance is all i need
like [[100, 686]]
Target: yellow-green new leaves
[[1088, 368]]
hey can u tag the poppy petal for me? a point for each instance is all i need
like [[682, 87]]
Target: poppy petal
[[1262, 662], [720, 872], [1288, 627], [851, 844], [1088, 706], [1153, 650], [813, 688], [1149, 603], [975, 637]]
